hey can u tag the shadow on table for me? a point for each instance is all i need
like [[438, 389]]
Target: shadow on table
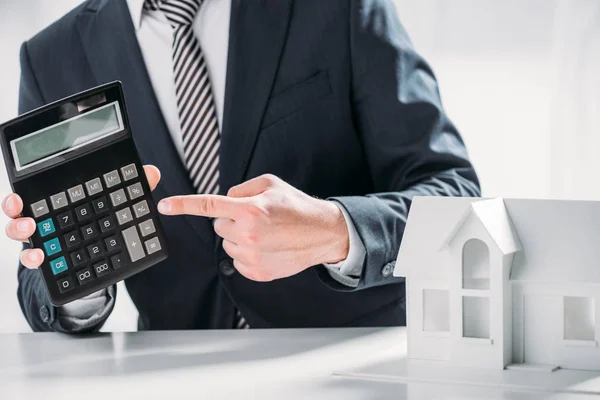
[[54, 355], [369, 389], [430, 379]]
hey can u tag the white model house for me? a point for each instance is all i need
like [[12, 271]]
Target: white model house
[[503, 282]]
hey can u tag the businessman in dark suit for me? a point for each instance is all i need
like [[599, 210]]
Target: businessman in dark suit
[[291, 136]]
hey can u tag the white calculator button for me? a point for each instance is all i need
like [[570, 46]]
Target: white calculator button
[[133, 244], [39, 208], [124, 216], [94, 186], [140, 209], [76, 193], [147, 227], [135, 191], [129, 172], [59, 200], [152, 245], [117, 198], [112, 179]]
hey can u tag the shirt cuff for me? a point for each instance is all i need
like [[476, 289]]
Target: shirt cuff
[[88, 311], [348, 271]]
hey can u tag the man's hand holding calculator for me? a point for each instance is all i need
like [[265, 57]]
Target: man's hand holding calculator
[[21, 229]]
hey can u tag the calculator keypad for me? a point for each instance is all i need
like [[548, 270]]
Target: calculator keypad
[[76, 193], [39, 208], [59, 200], [94, 186], [135, 191], [65, 284], [65, 220], [83, 212], [46, 227], [147, 227], [133, 244], [129, 172], [112, 179], [124, 216], [100, 225], [117, 198]]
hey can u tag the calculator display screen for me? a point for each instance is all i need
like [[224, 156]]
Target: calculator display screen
[[66, 135]]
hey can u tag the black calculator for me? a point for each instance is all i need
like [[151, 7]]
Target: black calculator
[[75, 165]]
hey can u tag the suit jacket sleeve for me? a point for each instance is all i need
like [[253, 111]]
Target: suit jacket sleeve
[[34, 301], [411, 146]]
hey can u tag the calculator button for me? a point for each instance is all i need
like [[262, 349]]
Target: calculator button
[[59, 265], [52, 246], [95, 250], [112, 179], [94, 186], [65, 220], [140, 209], [135, 191], [46, 227], [83, 212], [100, 205], [39, 208], [112, 243], [147, 227], [72, 239], [118, 197], [89, 231], [124, 216], [101, 268], [118, 261], [66, 284], [59, 200], [129, 172], [107, 224], [152, 245], [76, 193], [84, 276], [78, 257], [133, 244]]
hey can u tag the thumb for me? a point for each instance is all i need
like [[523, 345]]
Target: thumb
[[153, 175]]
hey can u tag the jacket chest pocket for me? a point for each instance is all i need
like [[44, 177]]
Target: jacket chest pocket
[[294, 98]]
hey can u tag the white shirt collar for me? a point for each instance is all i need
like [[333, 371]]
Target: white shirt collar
[[136, 8]]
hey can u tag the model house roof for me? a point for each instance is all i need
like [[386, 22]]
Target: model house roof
[[493, 216], [560, 240]]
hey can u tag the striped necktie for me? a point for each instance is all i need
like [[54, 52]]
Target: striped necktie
[[195, 103]]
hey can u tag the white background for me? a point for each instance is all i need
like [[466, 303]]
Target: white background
[[520, 78]]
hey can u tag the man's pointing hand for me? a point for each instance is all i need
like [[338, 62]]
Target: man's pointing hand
[[270, 229]]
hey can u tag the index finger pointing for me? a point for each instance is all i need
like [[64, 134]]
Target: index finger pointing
[[202, 205]]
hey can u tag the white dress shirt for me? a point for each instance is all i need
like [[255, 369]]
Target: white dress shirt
[[211, 26]]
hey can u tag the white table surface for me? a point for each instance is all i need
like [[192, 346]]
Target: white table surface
[[265, 364]]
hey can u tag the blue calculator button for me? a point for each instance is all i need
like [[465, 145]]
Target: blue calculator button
[[59, 265], [46, 227], [52, 246]]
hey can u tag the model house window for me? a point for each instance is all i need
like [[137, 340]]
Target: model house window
[[436, 310], [476, 265], [579, 317], [476, 317]]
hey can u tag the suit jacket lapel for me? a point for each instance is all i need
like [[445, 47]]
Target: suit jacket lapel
[[113, 53], [258, 30]]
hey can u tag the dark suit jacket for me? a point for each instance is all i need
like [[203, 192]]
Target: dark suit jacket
[[328, 95]]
